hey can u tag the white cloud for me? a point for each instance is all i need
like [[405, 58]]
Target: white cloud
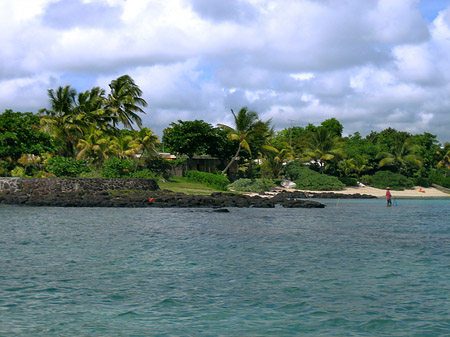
[[371, 64]]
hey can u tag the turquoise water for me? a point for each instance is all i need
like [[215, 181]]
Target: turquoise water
[[355, 268]]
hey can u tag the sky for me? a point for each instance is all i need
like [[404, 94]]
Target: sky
[[371, 64]]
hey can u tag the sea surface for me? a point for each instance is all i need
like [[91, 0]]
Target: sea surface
[[355, 268]]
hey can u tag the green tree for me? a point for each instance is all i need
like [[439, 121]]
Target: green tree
[[59, 120], [93, 146], [189, 137], [323, 148], [445, 160], [145, 142], [20, 134], [122, 146], [124, 102], [401, 156], [89, 110], [248, 127], [333, 126]]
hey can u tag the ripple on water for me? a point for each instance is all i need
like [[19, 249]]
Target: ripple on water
[[352, 269]]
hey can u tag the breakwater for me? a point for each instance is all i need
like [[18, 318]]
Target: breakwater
[[75, 192]]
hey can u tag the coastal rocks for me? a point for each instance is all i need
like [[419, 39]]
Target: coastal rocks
[[158, 198]]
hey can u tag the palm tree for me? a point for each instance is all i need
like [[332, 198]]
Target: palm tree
[[93, 146], [445, 161], [247, 127], [124, 102], [59, 120], [273, 159], [401, 156], [90, 110], [348, 166], [61, 101], [122, 146], [323, 148], [145, 142]]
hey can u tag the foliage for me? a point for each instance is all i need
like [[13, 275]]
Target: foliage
[[3, 168], [66, 167], [19, 171], [333, 126], [146, 174], [293, 169], [440, 179], [308, 179], [249, 185], [384, 179], [349, 181], [424, 182], [124, 102], [118, 168], [20, 134], [248, 128], [160, 166], [401, 156], [189, 137], [218, 181], [323, 148]]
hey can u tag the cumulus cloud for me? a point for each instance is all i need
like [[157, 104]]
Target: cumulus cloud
[[371, 64]]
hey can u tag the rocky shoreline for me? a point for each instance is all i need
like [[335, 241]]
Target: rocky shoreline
[[167, 199]]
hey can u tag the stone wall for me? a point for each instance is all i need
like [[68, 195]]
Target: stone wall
[[81, 185]]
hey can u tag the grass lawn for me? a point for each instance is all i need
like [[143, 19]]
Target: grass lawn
[[181, 184]]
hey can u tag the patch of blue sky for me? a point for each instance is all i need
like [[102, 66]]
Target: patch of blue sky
[[80, 82], [430, 8]]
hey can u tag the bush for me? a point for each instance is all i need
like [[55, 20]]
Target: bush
[[347, 181], [248, 185], [424, 182], [160, 166], [66, 167], [294, 169], [145, 174], [19, 171], [440, 179], [366, 180], [118, 168], [395, 181], [311, 180], [3, 168], [217, 181]]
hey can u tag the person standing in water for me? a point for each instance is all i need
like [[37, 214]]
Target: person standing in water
[[388, 197]]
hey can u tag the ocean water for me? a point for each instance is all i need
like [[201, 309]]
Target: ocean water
[[355, 268]]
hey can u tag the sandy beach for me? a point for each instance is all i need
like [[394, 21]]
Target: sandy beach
[[416, 192]]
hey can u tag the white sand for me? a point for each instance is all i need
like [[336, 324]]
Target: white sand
[[416, 192]]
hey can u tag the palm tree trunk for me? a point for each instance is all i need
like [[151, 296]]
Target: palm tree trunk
[[232, 159]]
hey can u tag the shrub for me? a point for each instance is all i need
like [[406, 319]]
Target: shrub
[[3, 168], [294, 169], [248, 185], [217, 181], [311, 180], [348, 181], [19, 171], [395, 181], [160, 166], [366, 179], [146, 174], [118, 168], [424, 182], [66, 167], [440, 179]]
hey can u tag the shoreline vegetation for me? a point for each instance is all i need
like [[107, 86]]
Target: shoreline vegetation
[[99, 134]]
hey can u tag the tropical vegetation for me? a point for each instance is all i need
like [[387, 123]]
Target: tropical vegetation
[[96, 133]]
